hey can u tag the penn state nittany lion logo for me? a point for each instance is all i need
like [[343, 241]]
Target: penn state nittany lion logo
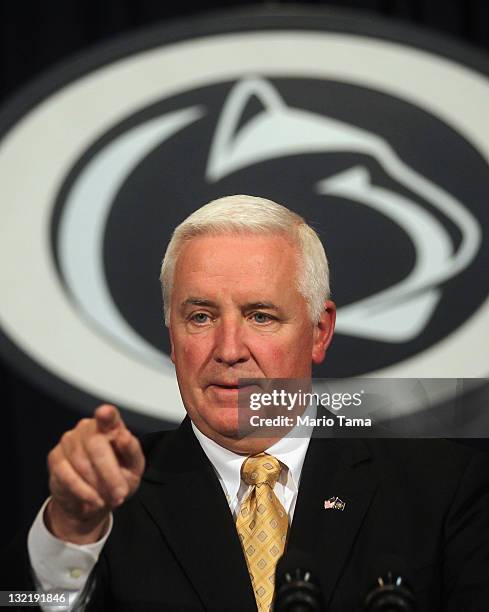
[[396, 314], [392, 178]]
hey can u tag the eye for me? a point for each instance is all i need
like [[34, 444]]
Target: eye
[[262, 317], [200, 317]]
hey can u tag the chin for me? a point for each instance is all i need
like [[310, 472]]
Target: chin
[[227, 425], [216, 419]]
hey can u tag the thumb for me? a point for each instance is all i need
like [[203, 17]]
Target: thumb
[[108, 418]]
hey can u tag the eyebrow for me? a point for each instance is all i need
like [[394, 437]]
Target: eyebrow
[[261, 305], [198, 301]]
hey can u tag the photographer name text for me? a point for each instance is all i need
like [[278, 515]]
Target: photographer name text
[[307, 421]]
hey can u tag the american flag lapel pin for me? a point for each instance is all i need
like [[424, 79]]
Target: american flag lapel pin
[[334, 503]]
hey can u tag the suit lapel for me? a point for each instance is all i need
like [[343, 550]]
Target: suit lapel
[[332, 467], [183, 495]]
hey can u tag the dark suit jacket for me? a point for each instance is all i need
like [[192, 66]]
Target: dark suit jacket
[[174, 545]]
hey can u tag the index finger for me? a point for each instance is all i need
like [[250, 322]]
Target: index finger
[[129, 451], [108, 418]]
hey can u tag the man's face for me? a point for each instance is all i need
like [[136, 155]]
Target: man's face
[[236, 313]]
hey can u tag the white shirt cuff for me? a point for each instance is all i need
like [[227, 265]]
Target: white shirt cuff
[[57, 564]]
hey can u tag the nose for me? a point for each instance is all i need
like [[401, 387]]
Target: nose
[[230, 346]]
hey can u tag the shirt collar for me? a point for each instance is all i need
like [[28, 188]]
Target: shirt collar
[[289, 450]]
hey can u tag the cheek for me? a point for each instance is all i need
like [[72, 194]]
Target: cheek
[[192, 351], [285, 357]]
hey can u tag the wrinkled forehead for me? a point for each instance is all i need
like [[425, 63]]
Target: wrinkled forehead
[[233, 260], [269, 245]]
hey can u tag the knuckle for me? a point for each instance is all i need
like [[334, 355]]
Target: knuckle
[[60, 477], [123, 488], [84, 425], [71, 482], [83, 466], [95, 444], [115, 480], [66, 438], [134, 481], [52, 458]]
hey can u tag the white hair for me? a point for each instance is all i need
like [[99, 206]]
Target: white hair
[[244, 214]]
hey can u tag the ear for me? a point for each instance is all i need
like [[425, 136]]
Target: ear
[[172, 354], [323, 332]]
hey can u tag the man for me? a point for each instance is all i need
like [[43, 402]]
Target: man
[[198, 518]]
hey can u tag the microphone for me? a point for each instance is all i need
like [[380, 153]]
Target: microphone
[[391, 590], [296, 584]]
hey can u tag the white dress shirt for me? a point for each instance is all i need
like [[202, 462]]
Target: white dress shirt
[[63, 566], [289, 450]]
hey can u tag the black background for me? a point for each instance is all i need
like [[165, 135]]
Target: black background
[[34, 37]]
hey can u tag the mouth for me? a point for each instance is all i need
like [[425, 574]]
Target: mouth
[[231, 387], [230, 390], [224, 387]]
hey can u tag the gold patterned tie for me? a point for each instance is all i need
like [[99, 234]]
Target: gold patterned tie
[[262, 525]]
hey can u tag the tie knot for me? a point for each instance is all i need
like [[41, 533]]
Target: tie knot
[[260, 469]]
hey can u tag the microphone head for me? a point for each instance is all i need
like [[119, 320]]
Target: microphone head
[[390, 586], [296, 584], [388, 567], [295, 564]]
